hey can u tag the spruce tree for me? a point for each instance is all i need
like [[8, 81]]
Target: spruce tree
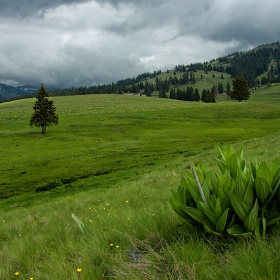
[[45, 112], [240, 89]]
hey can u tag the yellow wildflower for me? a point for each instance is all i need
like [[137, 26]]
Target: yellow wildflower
[[117, 246], [126, 201], [17, 273], [79, 270], [111, 245]]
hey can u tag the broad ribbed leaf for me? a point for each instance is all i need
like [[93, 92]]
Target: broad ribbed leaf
[[232, 222], [194, 213], [208, 212], [222, 222], [249, 194], [192, 188], [179, 195], [258, 229], [177, 207], [273, 219], [237, 230], [240, 206], [275, 168], [208, 226], [233, 165], [218, 209], [226, 152], [263, 190], [240, 186], [264, 172], [254, 168], [221, 165], [182, 192], [251, 220]]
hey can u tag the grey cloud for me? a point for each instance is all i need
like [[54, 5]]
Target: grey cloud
[[106, 40], [72, 66], [249, 23], [23, 9], [254, 22]]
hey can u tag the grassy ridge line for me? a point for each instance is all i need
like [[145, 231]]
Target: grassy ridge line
[[41, 239], [118, 136]]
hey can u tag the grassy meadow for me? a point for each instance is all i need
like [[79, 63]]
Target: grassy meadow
[[112, 161]]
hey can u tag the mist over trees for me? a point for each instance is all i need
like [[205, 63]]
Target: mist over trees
[[263, 60]]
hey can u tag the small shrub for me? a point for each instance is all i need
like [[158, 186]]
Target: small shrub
[[238, 200], [69, 180], [48, 186]]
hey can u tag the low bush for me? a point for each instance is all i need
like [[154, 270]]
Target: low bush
[[48, 185], [240, 200]]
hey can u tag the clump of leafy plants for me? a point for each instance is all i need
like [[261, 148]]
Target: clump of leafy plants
[[239, 200]]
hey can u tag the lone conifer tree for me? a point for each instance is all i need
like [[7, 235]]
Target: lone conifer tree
[[240, 89], [45, 112]]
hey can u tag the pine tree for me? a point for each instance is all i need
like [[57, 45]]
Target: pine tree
[[228, 88], [240, 89], [45, 112], [203, 95], [196, 95]]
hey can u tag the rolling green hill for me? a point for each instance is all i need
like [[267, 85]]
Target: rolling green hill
[[259, 66], [108, 137]]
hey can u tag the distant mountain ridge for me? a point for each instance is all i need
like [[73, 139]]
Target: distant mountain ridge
[[18, 90], [8, 92]]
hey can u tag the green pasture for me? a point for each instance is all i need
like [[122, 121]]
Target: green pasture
[[207, 81], [117, 157], [117, 137]]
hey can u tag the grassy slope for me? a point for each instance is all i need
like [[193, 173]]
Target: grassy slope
[[118, 136], [38, 236]]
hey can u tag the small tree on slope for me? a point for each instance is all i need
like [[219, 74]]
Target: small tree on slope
[[240, 89], [45, 112]]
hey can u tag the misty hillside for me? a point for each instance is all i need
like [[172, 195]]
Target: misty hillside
[[260, 65]]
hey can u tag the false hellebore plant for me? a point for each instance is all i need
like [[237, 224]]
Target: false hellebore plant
[[236, 201]]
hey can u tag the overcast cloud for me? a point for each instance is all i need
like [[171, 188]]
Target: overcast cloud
[[82, 43]]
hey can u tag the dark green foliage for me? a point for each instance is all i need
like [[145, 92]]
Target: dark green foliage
[[196, 95], [238, 200], [228, 88], [208, 97], [56, 183], [240, 89], [48, 186], [220, 88], [263, 80], [45, 112], [162, 93]]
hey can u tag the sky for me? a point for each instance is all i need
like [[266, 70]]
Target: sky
[[65, 43]]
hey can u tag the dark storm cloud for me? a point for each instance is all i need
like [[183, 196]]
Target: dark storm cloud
[[25, 8], [249, 23], [81, 43]]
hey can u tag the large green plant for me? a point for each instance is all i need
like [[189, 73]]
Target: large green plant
[[238, 200]]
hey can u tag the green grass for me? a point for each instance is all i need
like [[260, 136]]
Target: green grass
[[206, 83], [128, 153], [117, 137]]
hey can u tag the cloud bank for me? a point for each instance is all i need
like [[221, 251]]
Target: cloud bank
[[67, 43]]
